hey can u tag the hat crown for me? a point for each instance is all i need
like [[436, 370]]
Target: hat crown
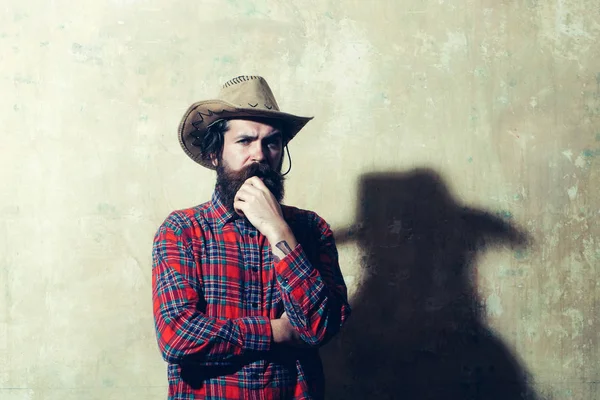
[[249, 91]]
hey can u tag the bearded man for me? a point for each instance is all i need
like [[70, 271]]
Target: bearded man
[[245, 290]]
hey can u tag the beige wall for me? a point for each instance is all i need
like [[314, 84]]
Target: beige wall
[[495, 101]]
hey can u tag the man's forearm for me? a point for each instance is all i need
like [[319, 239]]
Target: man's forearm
[[284, 332], [282, 242]]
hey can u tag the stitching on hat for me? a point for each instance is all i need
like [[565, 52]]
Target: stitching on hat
[[239, 79], [197, 134], [253, 105], [268, 107], [202, 115]]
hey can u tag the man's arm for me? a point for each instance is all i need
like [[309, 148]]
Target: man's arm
[[181, 329], [314, 296]]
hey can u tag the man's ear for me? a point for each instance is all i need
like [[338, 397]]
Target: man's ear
[[214, 161]]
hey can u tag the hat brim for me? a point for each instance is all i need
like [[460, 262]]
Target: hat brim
[[201, 115]]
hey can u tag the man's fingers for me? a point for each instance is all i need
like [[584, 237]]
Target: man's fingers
[[241, 195], [238, 207], [248, 188], [256, 182], [246, 193]]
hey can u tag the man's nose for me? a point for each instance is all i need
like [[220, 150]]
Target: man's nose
[[258, 153]]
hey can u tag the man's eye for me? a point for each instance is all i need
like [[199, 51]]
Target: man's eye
[[244, 141]]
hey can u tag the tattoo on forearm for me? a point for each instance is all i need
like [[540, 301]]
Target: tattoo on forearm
[[284, 247]]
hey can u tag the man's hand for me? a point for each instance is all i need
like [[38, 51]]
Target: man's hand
[[284, 332], [256, 202]]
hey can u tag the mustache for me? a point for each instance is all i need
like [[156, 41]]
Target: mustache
[[261, 170]]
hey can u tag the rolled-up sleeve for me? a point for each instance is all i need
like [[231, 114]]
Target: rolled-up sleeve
[[314, 293]]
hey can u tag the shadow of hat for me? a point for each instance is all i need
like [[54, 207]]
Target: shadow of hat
[[413, 205]]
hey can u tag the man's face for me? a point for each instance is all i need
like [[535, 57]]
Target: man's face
[[250, 148], [251, 141]]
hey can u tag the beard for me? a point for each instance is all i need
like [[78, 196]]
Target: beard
[[229, 182]]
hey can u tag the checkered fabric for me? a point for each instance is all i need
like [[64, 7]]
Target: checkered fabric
[[215, 288]]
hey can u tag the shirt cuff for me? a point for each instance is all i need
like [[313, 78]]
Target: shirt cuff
[[255, 333]]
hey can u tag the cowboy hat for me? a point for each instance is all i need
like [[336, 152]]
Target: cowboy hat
[[241, 97]]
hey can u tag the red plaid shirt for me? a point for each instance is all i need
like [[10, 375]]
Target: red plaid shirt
[[215, 288]]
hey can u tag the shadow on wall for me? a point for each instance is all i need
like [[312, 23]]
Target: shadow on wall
[[417, 330]]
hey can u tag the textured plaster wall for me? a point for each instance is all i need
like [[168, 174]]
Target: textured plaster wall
[[496, 102]]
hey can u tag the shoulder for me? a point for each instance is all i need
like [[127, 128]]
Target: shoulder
[[185, 219], [305, 219]]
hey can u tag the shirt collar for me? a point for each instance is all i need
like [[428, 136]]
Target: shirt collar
[[221, 213]]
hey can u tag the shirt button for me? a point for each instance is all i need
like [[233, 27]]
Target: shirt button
[[255, 269], [255, 305], [252, 234], [286, 280]]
